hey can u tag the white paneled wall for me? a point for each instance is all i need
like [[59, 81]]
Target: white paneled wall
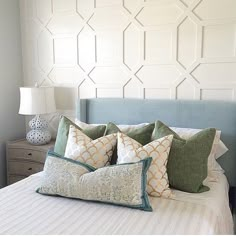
[[167, 49]]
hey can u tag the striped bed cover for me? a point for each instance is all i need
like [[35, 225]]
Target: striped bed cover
[[23, 211]]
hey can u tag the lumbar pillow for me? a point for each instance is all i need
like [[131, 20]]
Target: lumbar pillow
[[187, 163], [63, 131], [141, 134], [130, 150], [96, 153], [123, 185]]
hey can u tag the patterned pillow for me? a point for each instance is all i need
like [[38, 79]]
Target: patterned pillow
[[123, 185], [140, 134], [96, 153], [130, 150], [63, 131]]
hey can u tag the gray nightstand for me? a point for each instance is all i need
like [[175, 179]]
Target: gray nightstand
[[24, 159]]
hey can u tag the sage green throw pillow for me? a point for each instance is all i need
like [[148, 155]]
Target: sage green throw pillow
[[142, 135], [63, 132], [187, 162], [123, 185]]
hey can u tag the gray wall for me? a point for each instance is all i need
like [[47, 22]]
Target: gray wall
[[12, 125]]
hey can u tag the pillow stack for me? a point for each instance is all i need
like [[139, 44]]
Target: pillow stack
[[122, 164]]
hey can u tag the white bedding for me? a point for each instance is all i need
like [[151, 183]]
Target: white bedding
[[23, 211]]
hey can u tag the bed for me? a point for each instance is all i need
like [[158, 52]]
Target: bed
[[23, 211]]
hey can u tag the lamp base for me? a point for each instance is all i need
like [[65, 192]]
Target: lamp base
[[39, 135]]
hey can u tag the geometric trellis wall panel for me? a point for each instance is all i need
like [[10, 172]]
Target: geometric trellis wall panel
[[166, 49]]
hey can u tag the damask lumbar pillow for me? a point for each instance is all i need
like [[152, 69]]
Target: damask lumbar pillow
[[187, 163], [123, 185], [129, 150], [63, 131], [96, 153]]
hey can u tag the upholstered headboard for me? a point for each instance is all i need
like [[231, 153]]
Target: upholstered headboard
[[187, 114]]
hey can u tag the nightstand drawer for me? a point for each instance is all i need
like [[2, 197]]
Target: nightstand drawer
[[24, 159], [26, 154], [15, 178], [24, 168]]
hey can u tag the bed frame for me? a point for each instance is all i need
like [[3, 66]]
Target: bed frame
[[178, 113]]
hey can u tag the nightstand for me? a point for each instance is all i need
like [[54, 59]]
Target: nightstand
[[24, 159]]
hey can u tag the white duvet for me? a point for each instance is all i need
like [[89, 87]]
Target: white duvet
[[23, 211]]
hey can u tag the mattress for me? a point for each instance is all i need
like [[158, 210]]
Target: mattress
[[23, 211]]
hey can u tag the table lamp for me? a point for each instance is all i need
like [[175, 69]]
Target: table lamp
[[37, 101]]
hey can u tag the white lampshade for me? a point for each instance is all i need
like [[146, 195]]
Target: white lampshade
[[37, 100]]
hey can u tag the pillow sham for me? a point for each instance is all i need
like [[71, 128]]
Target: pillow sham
[[96, 153], [129, 150], [63, 131], [123, 185], [187, 163], [142, 135]]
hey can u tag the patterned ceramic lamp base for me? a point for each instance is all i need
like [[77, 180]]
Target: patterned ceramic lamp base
[[39, 135]]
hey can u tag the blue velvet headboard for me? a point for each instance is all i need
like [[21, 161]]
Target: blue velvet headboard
[[189, 114]]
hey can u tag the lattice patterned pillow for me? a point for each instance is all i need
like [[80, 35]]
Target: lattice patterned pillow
[[130, 150], [96, 153]]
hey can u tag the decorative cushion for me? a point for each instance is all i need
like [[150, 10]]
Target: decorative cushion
[[123, 128], [218, 147], [187, 163], [96, 153], [142, 135], [130, 150], [63, 131], [123, 185]]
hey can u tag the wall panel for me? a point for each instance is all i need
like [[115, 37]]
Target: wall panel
[[170, 49]]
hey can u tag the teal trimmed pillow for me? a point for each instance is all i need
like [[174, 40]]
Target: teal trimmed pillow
[[142, 135], [63, 132], [123, 185], [187, 162]]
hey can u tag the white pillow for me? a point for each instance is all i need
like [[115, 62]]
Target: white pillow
[[221, 150], [129, 150], [96, 153]]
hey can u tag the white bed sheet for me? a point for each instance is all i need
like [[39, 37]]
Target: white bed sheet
[[23, 211]]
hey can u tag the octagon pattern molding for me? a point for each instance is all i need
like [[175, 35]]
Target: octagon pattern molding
[[175, 49]]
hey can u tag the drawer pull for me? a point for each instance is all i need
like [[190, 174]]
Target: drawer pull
[[30, 154], [30, 168]]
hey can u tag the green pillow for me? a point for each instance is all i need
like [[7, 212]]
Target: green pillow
[[63, 131], [142, 135], [187, 162]]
